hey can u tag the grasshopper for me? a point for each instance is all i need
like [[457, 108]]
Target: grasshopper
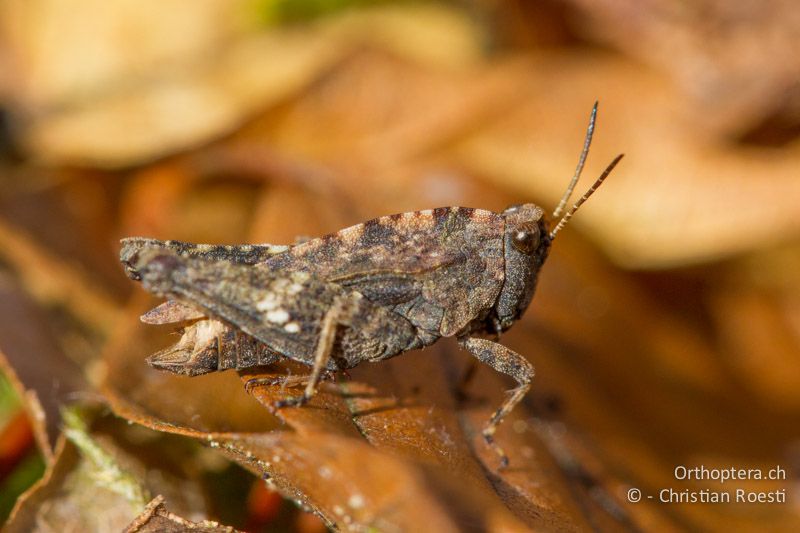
[[365, 293]]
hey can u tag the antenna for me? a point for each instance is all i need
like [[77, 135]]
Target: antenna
[[587, 194], [585, 152]]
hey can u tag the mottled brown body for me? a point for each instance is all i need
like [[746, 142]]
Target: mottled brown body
[[374, 290], [364, 293]]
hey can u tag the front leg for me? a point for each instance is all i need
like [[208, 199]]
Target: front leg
[[508, 362], [469, 373]]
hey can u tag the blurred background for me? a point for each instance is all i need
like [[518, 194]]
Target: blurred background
[[665, 331]]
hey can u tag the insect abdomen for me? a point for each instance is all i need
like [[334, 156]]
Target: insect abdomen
[[209, 345], [239, 351]]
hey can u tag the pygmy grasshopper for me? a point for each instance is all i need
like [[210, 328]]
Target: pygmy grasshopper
[[365, 293]]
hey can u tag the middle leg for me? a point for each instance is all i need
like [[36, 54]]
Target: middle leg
[[338, 313]]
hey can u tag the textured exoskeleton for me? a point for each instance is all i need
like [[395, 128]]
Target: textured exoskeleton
[[364, 293]]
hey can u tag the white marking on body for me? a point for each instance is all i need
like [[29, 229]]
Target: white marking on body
[[292, 327], [294, 288], [204, 247], [268, 303], [277, 316], [426, 212], [246, 248], [277, 248]]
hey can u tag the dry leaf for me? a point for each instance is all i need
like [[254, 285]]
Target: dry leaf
[[155, 518], [95, 484], [215, 64]]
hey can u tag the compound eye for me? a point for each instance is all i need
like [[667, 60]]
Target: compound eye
[[526, 238]]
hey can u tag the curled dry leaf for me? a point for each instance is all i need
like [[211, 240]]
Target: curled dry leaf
[[155, 518], [144, 98], [269, 67], [145, 105]]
